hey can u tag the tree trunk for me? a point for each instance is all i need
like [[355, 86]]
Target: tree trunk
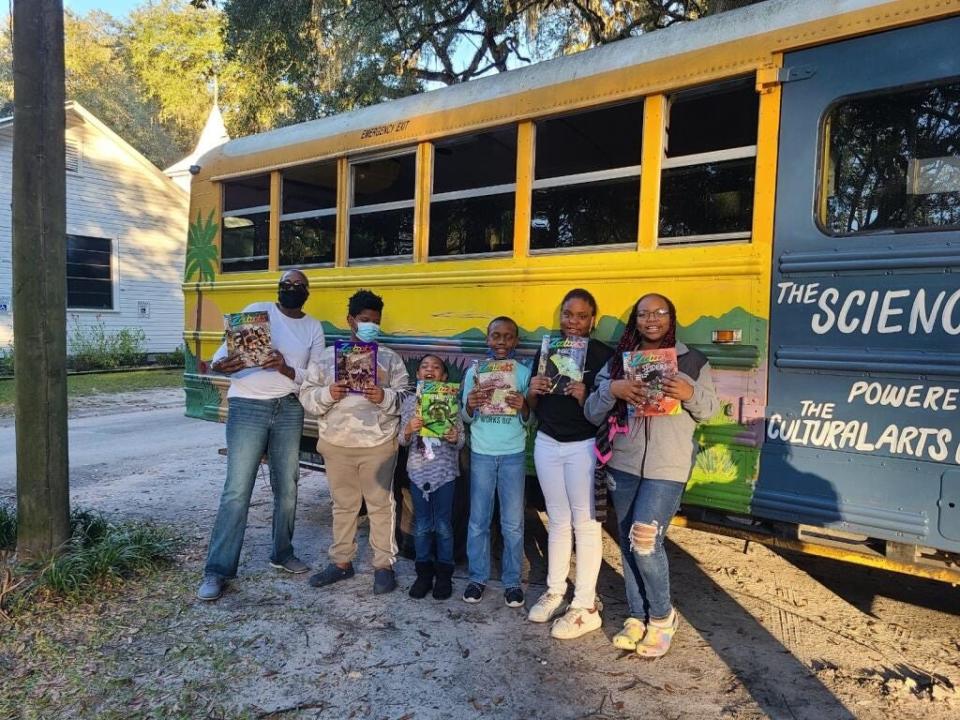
[[39, 278]]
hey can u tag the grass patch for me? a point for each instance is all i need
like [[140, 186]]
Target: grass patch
[[99, 555], [102, 383]]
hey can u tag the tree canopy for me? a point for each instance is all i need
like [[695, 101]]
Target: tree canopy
[[333, 55], [152, 77]]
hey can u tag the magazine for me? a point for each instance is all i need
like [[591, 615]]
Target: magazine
[[438, 406], [248, 335], [500, 377], [652, 367], [355, 362], [562, 360]]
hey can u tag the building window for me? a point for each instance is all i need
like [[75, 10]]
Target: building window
[[89, 273], [245, 235], [892, 162], [586, 189], [706, 186], [473, 199], [308, 219], [381, 208]]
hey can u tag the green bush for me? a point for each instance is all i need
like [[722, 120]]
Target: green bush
[[171, 359], [6, 360], [98, 553], [93, 348]]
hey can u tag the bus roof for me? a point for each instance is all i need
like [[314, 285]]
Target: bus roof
[[676, 40]]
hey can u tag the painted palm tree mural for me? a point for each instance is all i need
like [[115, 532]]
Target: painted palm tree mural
[[201, 265]]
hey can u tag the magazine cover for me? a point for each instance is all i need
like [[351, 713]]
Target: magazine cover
[[248, 335], [438, 406], [562, 360], [355, 362], [652, 367], [499, 376]]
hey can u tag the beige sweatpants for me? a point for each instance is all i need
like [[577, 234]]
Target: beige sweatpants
[[356, 475]]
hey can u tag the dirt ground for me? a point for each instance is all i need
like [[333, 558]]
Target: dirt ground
[[762, 634]]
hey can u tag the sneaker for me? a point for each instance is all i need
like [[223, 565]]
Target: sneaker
[[384, 581], [292, 565], [474, 592], [211, 588], [576, 622], [658, 638], [546, 608], [513, 597], [330, 574], [631, 635]]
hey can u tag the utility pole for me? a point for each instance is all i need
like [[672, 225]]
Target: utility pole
[[40, 278]]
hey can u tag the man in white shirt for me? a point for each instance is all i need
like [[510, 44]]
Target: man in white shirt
[[265, 417]]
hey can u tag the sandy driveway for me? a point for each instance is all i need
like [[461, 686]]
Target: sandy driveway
[[763, 634]]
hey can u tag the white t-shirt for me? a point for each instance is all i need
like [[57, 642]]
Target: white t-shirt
[[299, 340]]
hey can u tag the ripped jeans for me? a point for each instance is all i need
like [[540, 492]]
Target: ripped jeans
[[644, 508]]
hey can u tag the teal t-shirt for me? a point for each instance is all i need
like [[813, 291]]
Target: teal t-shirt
[[496, 434]]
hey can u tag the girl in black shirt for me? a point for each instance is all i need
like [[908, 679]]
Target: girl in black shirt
[[564, 457]]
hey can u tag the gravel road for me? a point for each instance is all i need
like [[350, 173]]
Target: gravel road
[[763, 634]]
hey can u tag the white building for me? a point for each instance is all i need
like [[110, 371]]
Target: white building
[[126, 236]]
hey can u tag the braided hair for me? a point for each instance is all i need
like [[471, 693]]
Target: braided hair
[[630, 340]]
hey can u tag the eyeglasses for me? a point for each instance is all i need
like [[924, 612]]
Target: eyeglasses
[[287, 285], [653, 314]]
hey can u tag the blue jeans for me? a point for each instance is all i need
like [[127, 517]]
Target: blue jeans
[[255, 427], [505, 476], [646, 572], [431, 520]]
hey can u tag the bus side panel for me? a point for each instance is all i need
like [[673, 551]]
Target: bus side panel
[[863, 432]]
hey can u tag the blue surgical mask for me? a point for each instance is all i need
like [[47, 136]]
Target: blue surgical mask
[[367, 331]]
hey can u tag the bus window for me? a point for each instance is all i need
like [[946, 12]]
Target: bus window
[[244, 237], [308, 218], [471, 208], [893, 162], [586, 188], [381, 208], [706, 186]]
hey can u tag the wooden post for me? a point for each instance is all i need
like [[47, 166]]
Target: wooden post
[[39, 278]]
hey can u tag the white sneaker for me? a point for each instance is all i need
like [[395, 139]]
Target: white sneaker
[[576, 622], [546, 608]]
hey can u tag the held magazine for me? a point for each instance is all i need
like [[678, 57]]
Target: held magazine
[[562, 360], [248, 335], [437, 406], [652, 367], [355, 362], [500, 377]]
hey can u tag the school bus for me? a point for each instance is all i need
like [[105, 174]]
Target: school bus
[[788, 173]]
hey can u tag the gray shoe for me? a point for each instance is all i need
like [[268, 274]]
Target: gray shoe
[[211, 588], [292, 565]]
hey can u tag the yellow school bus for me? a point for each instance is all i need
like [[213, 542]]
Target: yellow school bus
[[788, 174]]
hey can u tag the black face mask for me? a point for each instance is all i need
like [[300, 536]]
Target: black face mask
[[294, 298]]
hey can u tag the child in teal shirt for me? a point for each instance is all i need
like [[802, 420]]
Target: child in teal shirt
[[497, 465]]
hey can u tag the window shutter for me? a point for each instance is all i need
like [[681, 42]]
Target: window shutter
[[74, 155]]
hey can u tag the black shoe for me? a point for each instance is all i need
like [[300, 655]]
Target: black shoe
[[513, 597], [424, 582], [474, 592], [330, 574], [384, 581], [443, 587]]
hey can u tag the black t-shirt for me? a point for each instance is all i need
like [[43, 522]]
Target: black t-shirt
[[561, 416]]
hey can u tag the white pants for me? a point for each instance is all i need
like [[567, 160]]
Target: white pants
[[565, 471]]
